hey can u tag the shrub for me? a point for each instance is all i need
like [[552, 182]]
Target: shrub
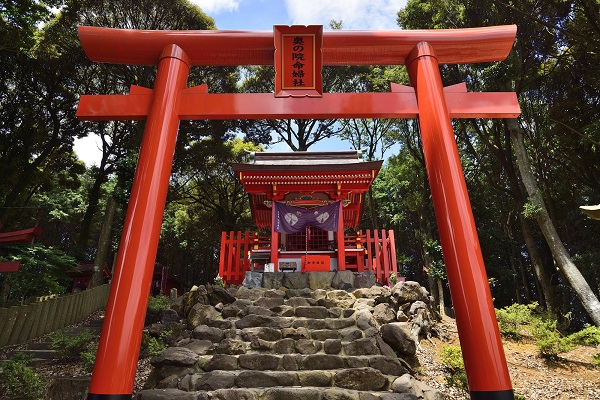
[[21, 382], [549, 341], [519, 320], [513, 319], [88, 356], [70, 346], [156, 305], [156, 345], [588, 336], [453, 364]]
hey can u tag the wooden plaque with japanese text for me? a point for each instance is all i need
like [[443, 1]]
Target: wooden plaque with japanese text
[[298, 61]]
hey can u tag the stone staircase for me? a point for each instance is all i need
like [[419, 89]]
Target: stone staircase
[[40, 351], [286, 344]]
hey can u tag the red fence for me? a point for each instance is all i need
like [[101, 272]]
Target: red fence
[[369, 250]]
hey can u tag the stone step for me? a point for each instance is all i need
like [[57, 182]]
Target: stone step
[[42, 354], [298, 362], [254, 321], [265, 333], [273, 393], [181, 359], [360, 378], [39, 345], [308, 311]]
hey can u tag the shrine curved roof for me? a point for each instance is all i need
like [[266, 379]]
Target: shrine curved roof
[[307, 161]]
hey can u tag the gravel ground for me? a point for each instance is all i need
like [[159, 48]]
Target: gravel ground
[[572, 376]]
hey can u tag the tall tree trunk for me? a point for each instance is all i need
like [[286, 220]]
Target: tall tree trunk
[[538, 265], [561, 257], [103, 243], [440, 289], [90, 211]]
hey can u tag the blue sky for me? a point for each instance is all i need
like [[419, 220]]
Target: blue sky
[[263, 14]]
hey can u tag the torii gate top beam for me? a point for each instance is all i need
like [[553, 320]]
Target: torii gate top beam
[[233, 48]]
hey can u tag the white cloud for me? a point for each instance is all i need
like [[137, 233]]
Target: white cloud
[[217, 6], [355, 14]]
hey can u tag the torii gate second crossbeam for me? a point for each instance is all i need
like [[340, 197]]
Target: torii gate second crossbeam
[[169, 102]]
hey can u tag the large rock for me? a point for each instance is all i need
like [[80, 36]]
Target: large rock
[[231, 346], [364, 279], [262, 362], [269, 302], [361, 347], [200, 314], [221, 362], [176, 356], [387, 365], [408, 384], [295, 280], [341, 298], [316, 312], [343, 280], [360, 379], [252, 280], [197, 294], [204, 332], [166, 394], [68, 388], [320, 280], [399, 337], [321, 361], [272, 280], [409, 292], [373, 292], [217, 294], [384, 313], [264, 333]]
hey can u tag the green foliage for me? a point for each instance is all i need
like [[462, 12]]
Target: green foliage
[[437, 268], [588, 336], [549, 341], [219, 281], [21, 382], [596, 359], [520, 320], [511, 319], [454, 366], [156, 305], [42, 272], [70, 346], [88, 356], [155, 345], [530, 210]]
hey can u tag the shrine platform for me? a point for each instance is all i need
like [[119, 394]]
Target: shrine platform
[[341, 280]]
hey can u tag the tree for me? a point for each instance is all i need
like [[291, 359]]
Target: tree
[[532, 71], [121, 137], [205, 199]]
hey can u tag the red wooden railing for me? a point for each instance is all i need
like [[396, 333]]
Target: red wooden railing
[[368, 250]]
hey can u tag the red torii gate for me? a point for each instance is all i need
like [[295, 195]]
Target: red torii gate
[[169, 102]]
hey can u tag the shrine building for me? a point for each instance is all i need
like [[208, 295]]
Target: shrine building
[[310, 202]]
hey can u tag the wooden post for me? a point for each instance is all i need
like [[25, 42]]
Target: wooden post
[[274, 240], [341, 253]]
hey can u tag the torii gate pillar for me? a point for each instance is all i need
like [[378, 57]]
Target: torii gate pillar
[[475, 317], [121, 337]]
